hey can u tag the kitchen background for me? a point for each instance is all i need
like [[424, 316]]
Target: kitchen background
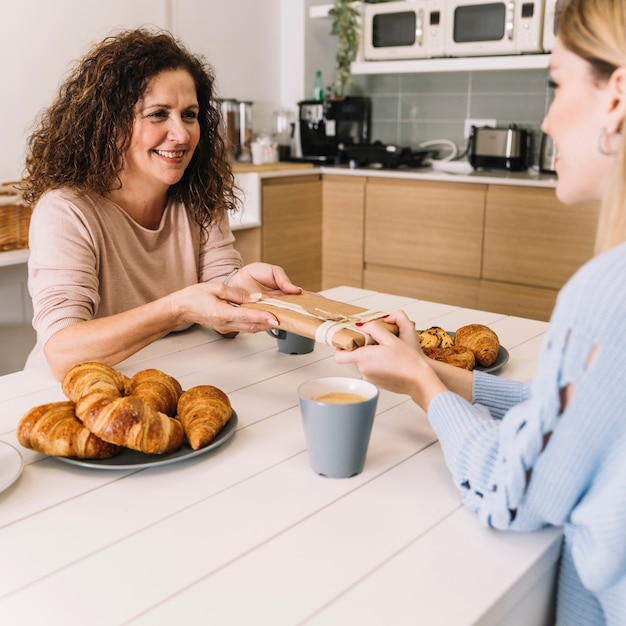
[[264, 51], [408, 109]]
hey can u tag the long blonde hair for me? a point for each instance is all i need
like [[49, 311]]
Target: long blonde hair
[[596, 31]]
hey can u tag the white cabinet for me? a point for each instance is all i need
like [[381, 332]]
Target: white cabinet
[[460, 64], [248, 190]]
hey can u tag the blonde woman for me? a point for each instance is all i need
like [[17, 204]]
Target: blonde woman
[[552, 451]]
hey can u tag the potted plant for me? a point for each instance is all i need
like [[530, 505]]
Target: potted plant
[[346, 25]]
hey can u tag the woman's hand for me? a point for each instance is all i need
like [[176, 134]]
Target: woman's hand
[[396, 363], [265, 278], [216, 306]]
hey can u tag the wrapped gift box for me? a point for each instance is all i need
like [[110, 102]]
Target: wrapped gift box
[[320, 318]]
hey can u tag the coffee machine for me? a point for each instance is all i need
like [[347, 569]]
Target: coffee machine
[[325, 125]]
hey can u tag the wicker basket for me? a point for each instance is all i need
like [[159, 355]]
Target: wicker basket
[[14, 218]]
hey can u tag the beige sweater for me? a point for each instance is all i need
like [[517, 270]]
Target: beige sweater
[[89, 259]]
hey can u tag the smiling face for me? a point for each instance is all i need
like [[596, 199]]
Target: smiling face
[[575, 119], [165, 132]]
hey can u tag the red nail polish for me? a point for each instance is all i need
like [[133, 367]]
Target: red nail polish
[[359, 324], [384, 316]]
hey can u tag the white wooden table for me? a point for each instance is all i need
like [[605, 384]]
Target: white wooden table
[[247, 533]]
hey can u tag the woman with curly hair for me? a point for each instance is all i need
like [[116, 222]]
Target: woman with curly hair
[[552, 451], [129, 236]]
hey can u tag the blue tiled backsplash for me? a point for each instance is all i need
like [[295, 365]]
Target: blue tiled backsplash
[[408, 109]]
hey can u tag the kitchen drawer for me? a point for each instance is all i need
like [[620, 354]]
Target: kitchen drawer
[[534, 303], [425, 226], [433, 287], [533, 239]]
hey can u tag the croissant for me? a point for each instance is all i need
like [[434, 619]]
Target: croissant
[[54, 429], [434, 337], [91, 377], [203, 411], [157, 389], [128, 421], [481, 340], [453, 355]]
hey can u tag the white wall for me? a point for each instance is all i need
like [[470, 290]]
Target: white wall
[[241, 39], [256, 46], [39, 41]]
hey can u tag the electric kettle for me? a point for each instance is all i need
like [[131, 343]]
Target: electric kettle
[[547, 155]]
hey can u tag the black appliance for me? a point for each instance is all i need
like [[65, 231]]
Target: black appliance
[[383, 156], [324, 125]]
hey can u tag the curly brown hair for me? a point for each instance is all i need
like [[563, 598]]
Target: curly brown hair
[[82, 137]]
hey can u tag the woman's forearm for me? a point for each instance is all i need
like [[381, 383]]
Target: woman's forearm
[[112, 339]]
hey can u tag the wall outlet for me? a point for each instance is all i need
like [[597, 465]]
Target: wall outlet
[[479, 123]]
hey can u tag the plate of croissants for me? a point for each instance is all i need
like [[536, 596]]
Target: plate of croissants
[[471, 347], [112, 421]]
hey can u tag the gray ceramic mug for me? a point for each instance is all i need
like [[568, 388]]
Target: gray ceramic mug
[[337, 415], [290, 343]]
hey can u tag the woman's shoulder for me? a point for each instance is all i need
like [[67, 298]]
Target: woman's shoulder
[[65, 195], [66, 203]]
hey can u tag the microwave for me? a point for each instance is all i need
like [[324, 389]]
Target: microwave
[[550, 24], [405, 29], [488, 27]]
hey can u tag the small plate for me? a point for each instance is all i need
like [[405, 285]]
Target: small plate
[[127, 459], [501, 360], [11, 465]]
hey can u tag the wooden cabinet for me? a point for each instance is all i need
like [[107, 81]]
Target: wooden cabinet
[[533, 239], [343, 226], [533, 244], [248, 244], [291, 231], [425, 226], [503, 248], [424, 239]]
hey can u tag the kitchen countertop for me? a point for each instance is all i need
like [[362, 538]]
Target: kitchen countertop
[[247, 533], [527, 178], [281, 166]]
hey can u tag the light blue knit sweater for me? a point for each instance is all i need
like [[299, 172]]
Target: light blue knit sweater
[[522, 462]]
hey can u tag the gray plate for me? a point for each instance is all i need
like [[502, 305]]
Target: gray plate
[[11, 465], [501, 360], [127, 459]]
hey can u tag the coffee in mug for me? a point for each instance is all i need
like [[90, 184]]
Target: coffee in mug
[[340, 397]]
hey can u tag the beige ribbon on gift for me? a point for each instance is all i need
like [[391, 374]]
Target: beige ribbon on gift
[[332, 322]]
